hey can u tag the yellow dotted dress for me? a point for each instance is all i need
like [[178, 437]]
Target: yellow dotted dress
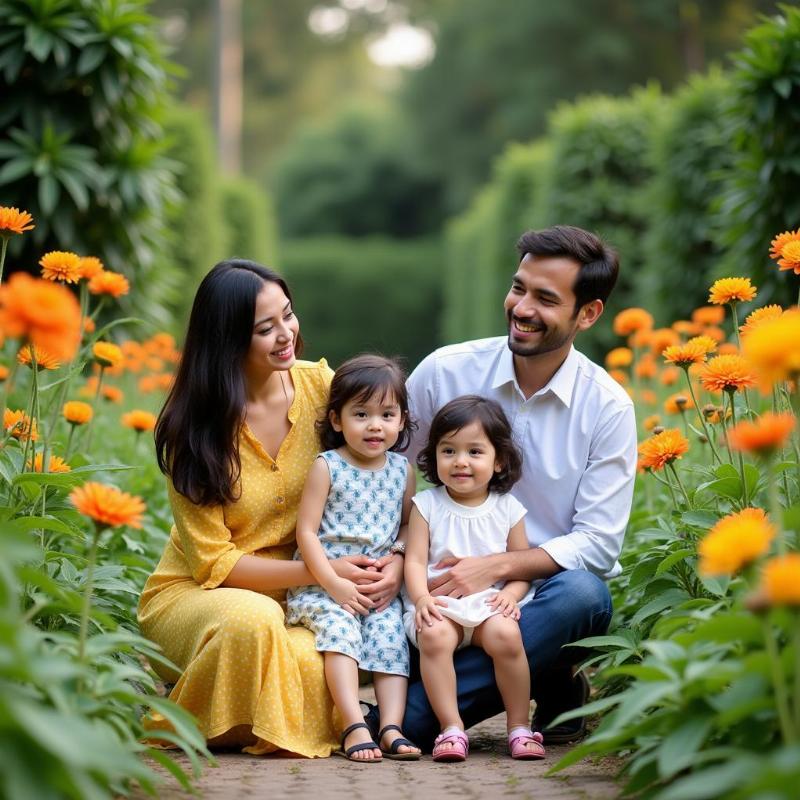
[[248, 679]]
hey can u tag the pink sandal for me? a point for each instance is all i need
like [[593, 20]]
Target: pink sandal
[[459, 745], [518, 741]]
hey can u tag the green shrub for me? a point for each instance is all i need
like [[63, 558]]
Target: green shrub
[[760, 197], [83, 84], [372, 294], [250, 229]]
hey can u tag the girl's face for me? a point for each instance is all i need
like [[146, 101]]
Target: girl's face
[[465, 463], [370, 427], [275, 332]]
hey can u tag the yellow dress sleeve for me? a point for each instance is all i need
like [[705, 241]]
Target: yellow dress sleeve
[[205, 539]]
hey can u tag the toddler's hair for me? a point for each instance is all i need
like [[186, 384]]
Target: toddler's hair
[[461, 412], [359, 378]]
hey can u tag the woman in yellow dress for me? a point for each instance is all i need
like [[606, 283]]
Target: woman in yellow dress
[[236, 438]]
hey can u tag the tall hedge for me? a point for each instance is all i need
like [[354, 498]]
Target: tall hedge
[[761, 196], [366, 294], [250, 228], [83, 84]]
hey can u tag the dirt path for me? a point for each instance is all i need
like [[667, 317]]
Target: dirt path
[[488, 773]]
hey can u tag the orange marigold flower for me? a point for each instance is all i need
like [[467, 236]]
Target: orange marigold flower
[[780, 241], [758, 316], [107, 354], [108, 505], [669, 376], [45, 313], [618, 357], [769, 433], [111, 283], [112, 393], [790, 257], [165, 381], [677, 402], [76, 412], [651, 422], [619, 376], [20, 425], [712, 332], [682, 355], [646, 367], [44, 359], [3, 372], [781, 580], [631, 320], [773, 348], [60, 265], [641, 338], [731, 290], [735, 541], [139, 420], [88, 325], [662, 449], [147, 384], [12, 220], [728, 349], [90, 266], [685, 328], [54, 464], [648, 397], [727, 374], [708, 315], [661, 339]]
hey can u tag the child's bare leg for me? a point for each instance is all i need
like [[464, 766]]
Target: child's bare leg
[[390, 691], [341, 673], [501, 639], [437, 643]]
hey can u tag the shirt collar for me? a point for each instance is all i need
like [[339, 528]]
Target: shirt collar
[[561, 384]]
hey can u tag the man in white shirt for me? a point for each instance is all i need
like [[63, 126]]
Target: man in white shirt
[[576, 429]]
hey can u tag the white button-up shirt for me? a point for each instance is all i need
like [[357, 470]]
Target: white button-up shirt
[[577, 435]]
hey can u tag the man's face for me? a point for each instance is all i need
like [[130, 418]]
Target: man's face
[[540, 306]]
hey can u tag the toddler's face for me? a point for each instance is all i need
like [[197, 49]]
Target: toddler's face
[[370, 427], [466, 461]]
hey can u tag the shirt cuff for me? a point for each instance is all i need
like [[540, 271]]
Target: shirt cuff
[[563, 552], [222, 568]]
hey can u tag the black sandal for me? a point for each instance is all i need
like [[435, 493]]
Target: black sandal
[[357, 748], [397, 744]]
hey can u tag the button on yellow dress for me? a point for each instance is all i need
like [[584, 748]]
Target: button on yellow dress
[[247, 678]]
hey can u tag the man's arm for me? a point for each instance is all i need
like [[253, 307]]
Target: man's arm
[[422, 404]]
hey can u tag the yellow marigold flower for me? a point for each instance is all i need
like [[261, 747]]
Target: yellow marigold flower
[[708, 315], [44, 359], [112, 393], [707, 342], [59, 265], [727, 374], [76, 412], [46, 314], [790, 257], [646, 367], [651, 422], [773, 348], [90, 266], [631, 320], [781, 580], [107, 354], [685, 328], [669, 376], [758, 316], [111, 283], [619, 376], [139, 420], [54, 464], [662, 449], [735, 541], [677, 402], [731, 290], [12, 220], [769, 433], [683, 355], [20, 425], [108, 505], [618, 357]]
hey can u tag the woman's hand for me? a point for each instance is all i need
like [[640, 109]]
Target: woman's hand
[[506, 604], [386, 580], [346, 594], [426, 610]]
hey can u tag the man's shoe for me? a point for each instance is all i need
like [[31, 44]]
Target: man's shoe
[[574, 729]]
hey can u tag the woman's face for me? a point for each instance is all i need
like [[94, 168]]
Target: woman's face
[[275, 331]]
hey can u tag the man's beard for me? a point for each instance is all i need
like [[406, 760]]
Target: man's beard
[[550, 340]]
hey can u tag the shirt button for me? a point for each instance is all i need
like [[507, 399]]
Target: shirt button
[[274, 467], [279, 499]]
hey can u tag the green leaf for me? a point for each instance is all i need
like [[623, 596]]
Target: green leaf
[[699, 519], [16, 168], [49, 193], [674, 558], [668, 599], [91, 57], [714, 782], [678, 749]]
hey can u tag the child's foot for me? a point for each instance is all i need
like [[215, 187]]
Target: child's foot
[[524, 744], [451, 744], [394, 745], [353, 741]]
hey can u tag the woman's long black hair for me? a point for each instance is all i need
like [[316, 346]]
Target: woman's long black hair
[[197, 433]]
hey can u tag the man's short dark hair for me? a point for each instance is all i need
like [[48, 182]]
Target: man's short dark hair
[[599, 263]]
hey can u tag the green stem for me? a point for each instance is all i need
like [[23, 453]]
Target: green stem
[[735, 315], [89, 427], [3, 256], [69, 441], [779, 685], [87, 594], [739, 454], [776, 510], [671, 488], [702, 419], [680, 484]]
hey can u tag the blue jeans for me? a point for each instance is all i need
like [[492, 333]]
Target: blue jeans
[[570, 605]]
